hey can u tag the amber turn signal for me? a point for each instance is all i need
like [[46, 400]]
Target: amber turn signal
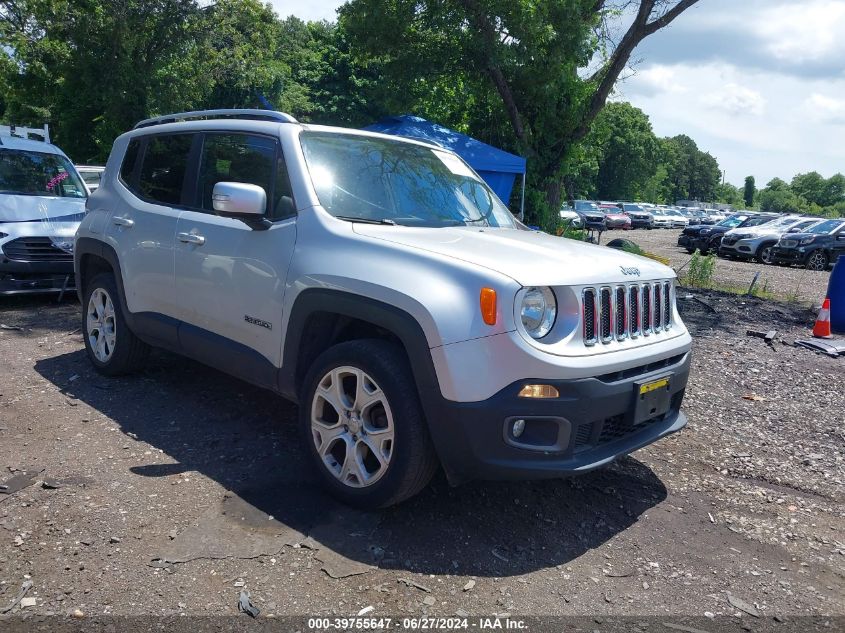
[[488, 305], [538, 391]]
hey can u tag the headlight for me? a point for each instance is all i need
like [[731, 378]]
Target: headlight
[[807, 240], [538, 311]]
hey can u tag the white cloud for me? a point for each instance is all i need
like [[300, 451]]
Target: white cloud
[[657, 79], [736, 99], [825, 109], [802, 31], [749, 119]]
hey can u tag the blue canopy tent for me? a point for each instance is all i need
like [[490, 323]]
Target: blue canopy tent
[[497, 167]]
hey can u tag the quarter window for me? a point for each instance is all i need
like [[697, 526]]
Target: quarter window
[[164, 166], [127, 169]]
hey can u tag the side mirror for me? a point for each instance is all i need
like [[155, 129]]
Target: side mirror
[[243, 201]]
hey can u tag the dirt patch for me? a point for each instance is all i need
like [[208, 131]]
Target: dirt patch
[[746, 501]]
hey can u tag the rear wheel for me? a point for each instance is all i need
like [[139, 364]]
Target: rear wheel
[[112, 347], [817, 260], [363, 424]]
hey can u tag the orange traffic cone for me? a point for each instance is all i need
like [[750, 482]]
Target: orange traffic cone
[[822, 327]]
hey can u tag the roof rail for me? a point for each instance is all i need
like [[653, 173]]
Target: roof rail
[[249, 114], [20, 131]]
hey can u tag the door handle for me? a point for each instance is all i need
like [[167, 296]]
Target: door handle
[[123, 222], [191, 238]]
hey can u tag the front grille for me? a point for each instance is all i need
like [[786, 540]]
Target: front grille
[[729, 240], [35, 249], [626, 311]]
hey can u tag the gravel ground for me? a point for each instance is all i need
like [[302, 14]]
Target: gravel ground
[[797, 284], [741, 511]]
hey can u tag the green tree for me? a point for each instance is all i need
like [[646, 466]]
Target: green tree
[[749, 192], [729, 194], [779, 198], [810, 186], [693, 174], [628, 152], [532, 54]]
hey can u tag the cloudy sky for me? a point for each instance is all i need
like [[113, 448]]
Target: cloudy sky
[[760, 84]]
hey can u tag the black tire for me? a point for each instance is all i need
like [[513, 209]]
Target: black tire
[[764, 253], [690, 251], [412, 461], [128, 352]]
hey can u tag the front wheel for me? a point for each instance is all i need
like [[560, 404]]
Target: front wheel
[[765, 254], [112, 347], [817, 260], [363, 424]]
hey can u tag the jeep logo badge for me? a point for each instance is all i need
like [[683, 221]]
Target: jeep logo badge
[[630, 271]]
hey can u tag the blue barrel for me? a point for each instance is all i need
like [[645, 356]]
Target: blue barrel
[[836, 294]]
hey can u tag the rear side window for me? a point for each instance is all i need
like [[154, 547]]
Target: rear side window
[[163, 170], [256, 160], [127, 169]]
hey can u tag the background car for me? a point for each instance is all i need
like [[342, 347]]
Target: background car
[[91, 174], [708, 237], [593, 216], [814, 248], [641, 218], [661, 220], [571, 218], [679, 220], [42, 201], [617, 219], [757, 242]]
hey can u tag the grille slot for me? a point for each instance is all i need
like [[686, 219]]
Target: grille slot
[[621, 313], [667, 305], [634, 300], [589, 300], [35, 249], [658, 307], [606, 315], [646, 323]]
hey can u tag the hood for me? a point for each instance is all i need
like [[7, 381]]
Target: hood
[[531, 258], [17, 208]]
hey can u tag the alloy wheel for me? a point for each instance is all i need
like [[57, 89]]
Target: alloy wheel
[[352, 427], [817, 261], [100, 325]]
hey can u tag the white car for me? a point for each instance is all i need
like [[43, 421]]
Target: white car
[[661, 219], [571, 218], [91, 174], [678, 219], [382, 285], [42, 201]]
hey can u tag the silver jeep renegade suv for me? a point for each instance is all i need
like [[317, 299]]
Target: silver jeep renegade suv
[[379, 283]]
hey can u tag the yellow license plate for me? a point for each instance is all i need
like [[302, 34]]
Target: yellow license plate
[[654, 386]]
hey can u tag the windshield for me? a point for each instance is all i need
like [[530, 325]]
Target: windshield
[[38, 174], [632, 207], [733, 221], [759, 220], [584, 205], [381, 180], [824, 228]]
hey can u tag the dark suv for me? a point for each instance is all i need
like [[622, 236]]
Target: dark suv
[[706, 237], [815, 249]]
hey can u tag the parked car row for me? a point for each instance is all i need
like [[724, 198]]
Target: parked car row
[[769, 238], [604, 215]]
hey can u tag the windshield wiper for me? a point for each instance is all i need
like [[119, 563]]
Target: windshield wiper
[[350, 218]]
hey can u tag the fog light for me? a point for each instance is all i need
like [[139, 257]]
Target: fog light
[[538, 391], [518, 428]]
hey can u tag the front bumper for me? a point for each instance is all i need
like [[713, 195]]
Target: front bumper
[[685, 241], [590, 424], [741, 248], [783, 255], [19, 277]]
